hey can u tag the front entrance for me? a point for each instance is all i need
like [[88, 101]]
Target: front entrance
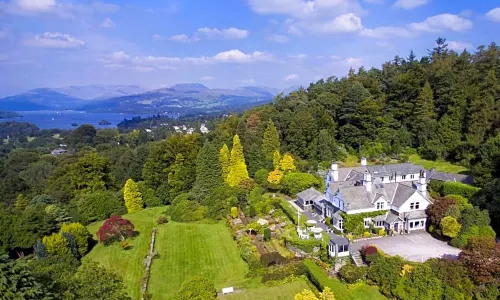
[[396, 227]]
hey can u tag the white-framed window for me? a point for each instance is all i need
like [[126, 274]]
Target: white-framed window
[[379, 224], [403, 176], [417, 224], [391, 177], [412, 176], [341, 224], [382, 178], [415, 205], [380, 205], [343, 248], [367, 223]]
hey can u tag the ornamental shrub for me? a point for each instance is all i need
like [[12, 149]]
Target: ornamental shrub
[[351, 273], [56, 244], [382, 232], [366, 234], [234, 212], [81, 235], [267, 234], [114, 229], [162, 220]]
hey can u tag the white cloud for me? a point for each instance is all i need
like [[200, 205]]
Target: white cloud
[[298, 56], [458, 46], [236, 56], [442, 22], [354, 62], [207, 78], [386, 32], [291, 77], [182, 38], [278, 38], [108, 23], [157, 37], [36, 5], [227, 33], [121, 59], [248, 81], [342, 24], [410, 4], [292, 29], [55, 40], [304, 9], [494, 14]]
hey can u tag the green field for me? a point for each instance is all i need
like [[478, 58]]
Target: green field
[[286, 291], [186, 250], [128, 263], [439, 165]]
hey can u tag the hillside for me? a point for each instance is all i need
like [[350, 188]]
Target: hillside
[[184, 98]]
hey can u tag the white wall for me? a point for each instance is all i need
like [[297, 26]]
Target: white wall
[[416, 197]]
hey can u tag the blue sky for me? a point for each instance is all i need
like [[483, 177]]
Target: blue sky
[[223, 43]]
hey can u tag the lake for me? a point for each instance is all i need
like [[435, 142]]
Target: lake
[[63, 119]]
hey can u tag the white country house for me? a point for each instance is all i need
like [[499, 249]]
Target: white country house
[[398, 189]]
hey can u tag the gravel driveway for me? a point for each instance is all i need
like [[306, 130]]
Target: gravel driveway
[[417, 247]]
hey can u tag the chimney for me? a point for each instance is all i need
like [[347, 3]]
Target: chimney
[[422, 183], [367, 181], [335, 171], [363, 161]]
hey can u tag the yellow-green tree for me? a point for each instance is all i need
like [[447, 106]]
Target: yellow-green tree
[[270, 141], [56, 244], [225, 161], [80, 233], [21, 202], [238, 168], [132, 196], [450, 226], [287, 163], [275, 177], [276, 159]]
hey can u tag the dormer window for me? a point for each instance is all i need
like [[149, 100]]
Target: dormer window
[[380, 205]]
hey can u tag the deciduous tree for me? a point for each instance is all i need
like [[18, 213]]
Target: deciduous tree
[[481, 255], [450, 226], [114, 229], [198, 288]]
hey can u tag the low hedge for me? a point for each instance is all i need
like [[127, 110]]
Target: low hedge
[[317, 275], [458, 188]]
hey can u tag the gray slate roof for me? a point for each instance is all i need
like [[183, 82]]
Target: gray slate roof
[[418, 214], [310, 194], [352, 174], [442, 176], [338, 240], [392, 217], [391, 169], [403, 192]]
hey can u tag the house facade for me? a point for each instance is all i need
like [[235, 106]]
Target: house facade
[[398, 191]]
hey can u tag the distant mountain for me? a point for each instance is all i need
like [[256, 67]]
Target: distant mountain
[[40, 99], [180, 98], [99, 91]]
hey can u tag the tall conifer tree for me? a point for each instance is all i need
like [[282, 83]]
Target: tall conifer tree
[[132, 196], [271, 141], [208, 171], [424, 115], [225, 161], [237, 169]]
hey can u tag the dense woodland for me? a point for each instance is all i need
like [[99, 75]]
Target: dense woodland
[[445, 105]]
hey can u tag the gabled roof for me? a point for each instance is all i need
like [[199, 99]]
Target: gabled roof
[[392, 217], [352, 174], [391, 169], [403, 193], [310, 194]]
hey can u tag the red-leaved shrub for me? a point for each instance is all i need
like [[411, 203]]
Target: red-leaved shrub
[[115, 229]]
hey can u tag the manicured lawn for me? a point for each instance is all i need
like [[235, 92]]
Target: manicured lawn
[[128, 263], [440, 165], [193, 249], [186, 250], [286, 291]]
